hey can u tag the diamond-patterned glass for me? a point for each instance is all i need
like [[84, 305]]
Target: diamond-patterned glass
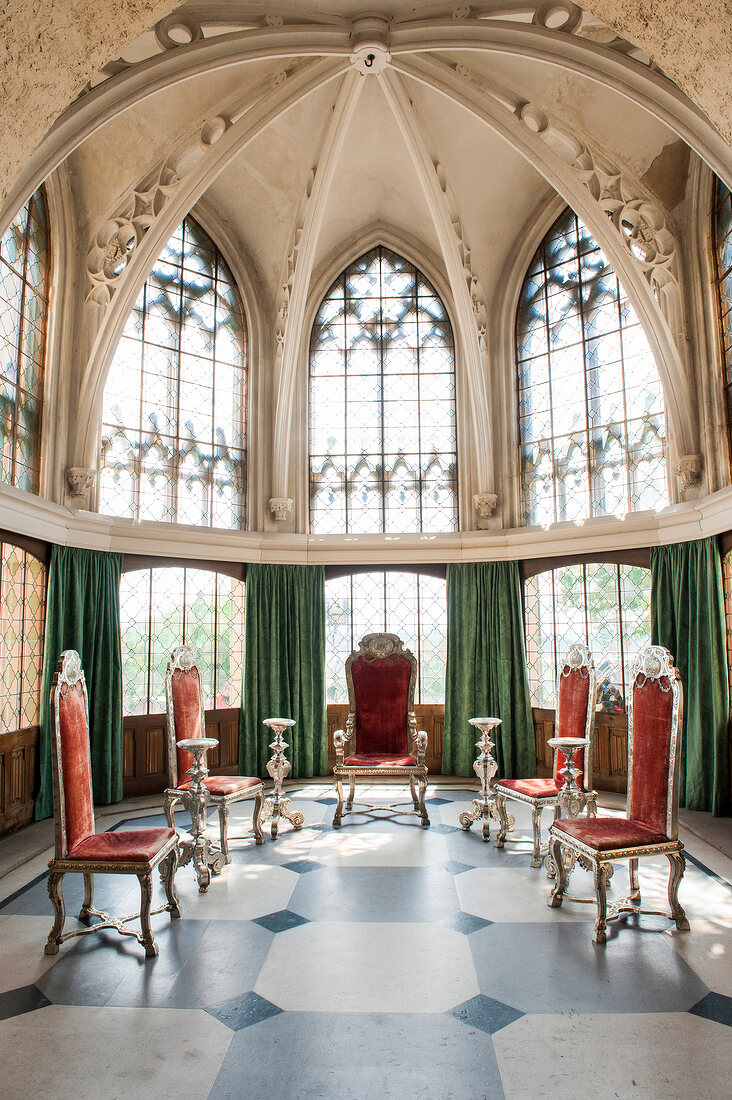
[[22, 610], [24, 264], [173, 444], [383, 449], [412, 605], [607, 606], [723, 264], [591, 414], [164, 607]]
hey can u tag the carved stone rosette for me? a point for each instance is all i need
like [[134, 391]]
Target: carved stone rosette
[[278, 769]]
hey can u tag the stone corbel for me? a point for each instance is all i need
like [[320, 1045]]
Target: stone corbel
[[485, 504], [79, 480], [280, 507], [688, 469]]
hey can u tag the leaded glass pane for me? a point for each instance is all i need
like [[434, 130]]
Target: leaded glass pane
[[723, 263], [407, 604], [24, 271], [382, 403], [607, 606], [173, 425], [165, 607], [591, 413], [22, 609]]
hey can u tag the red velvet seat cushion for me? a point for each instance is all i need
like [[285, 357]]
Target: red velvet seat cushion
[[381, 760], [125, 846], [606, 833], [224, 784], [534, 788], [381, 690]]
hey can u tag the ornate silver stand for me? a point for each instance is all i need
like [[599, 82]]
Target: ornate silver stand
[[572, 799], [278, 769], [206, 857], [485, 767]]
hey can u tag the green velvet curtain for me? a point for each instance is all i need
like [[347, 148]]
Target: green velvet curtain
[[82, 613], [486, 668], [284, 667], [687, 616]]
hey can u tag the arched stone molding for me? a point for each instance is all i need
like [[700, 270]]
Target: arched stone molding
[[683, 428], [598, 61], [106, 328], [430, 265], [295, 284]]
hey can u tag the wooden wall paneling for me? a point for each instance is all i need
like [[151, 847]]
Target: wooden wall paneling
[[18, 750], [145, 750], [610, 761]]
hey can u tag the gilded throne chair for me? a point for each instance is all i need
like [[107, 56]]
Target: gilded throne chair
[[381, 729], [650, 826], [79, 848], [575, 719], [186, 719]]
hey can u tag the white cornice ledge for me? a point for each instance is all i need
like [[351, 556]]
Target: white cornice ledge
[[25, 514]]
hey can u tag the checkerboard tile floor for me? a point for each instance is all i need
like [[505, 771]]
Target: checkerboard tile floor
[[380, 960]]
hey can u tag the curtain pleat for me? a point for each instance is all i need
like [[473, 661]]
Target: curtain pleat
[[687, 616], [284, 667], [82, 613], [486, 668]]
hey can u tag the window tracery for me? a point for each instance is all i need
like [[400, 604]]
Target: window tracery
[[383, 452], [22, 616], [24, 293], [592, 423], [173, 422]]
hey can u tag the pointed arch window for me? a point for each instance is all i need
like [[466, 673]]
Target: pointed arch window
[[592, 424], [723, 268], [173, 422], [24, 292], [383, 452]]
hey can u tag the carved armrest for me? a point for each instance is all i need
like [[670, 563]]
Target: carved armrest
[[341, 739], [420, 740]]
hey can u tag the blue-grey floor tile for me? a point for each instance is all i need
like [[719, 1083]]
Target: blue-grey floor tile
[[467, 923], [119, 894], [553, 967], [244, 1010], [715, 1006], [326, 1056], [302, 866], [444, 830], [455, 867], [486, 1014], [27, 998], [438, 801], [376, 894], [281, 922], [326, 801]]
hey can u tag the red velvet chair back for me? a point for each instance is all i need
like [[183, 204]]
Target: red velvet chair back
[[185, 717], [381, 677], [654, 741], [71, 762], [576, 710]]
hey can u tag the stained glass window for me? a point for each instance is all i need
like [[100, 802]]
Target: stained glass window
[[727, 580], [164, 607], [606, 606], [592, 425], [723, 262], [173, 424], [408, 604], [383, 452], [22, 609], [24, 288]]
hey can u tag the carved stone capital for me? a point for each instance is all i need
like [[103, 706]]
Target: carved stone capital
[[688, 469], [280, 507], [485, 504], [79, 480]]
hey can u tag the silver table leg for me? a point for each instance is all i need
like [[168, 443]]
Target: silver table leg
[[205, 856], [278, 769]]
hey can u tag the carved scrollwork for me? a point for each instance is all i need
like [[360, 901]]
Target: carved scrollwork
[[381, 646], [183, 658], [69, 668], [578, 656]]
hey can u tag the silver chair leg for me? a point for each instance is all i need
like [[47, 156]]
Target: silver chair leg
[[536, 859], [257, 818], [224, 830], [503, 822], [413, 792], [169, 808], [421, 807], [351, 792], [560, 879], [634, 892], [339, 803], [601, 876], [677, 867], [146, 888], [167, 876], [55, 893], [88, 896]]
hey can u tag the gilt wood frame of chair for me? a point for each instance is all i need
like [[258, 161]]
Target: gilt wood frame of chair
[[185, 717], [650, 827], [379, 757], [78, 848], [575, 718]]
